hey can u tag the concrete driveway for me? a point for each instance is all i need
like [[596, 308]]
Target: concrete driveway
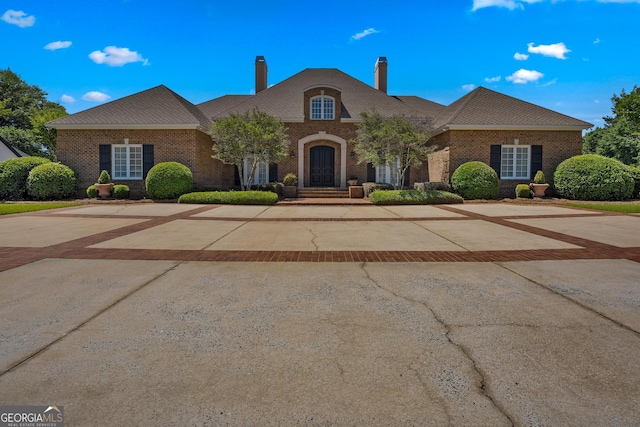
[[161, 314]]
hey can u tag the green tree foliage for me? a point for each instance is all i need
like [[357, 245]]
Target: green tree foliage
[[399, 141], [255, 136], [24, 110], [620, 136]]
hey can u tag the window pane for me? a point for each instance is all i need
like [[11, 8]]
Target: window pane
[[522, 161], [120, 162], [316, 109], [506, 168], [135, 162], [328, 108]]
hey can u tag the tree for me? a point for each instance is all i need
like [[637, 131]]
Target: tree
[[253, 136], [24, 110], [398, 142], [620, 136]]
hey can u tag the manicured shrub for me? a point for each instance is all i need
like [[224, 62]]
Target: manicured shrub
[[475, 180], [231, 197], [120, 191], [593, 177], [104, 177], [14, 174], [635, 174], [426, 186], [168, 180], [274, 187], [539, 178], [290, 179], [523, 191], [414, 197], [51, 181], [92, 192], [370, 187]]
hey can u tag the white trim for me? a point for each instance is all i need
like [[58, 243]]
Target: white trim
[[322, 86], [515, 149], [323, 136], [123, 126], [514, 127], [323, 99], [128, 148]]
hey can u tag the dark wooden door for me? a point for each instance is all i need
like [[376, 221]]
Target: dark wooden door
[[322, 163]]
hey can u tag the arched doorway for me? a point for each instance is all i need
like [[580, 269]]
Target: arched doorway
[[322, 166]]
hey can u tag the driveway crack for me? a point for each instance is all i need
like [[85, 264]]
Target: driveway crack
[[448, 329]]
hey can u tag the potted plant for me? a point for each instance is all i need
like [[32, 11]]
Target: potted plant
[[353, 180], [539, 184], [104, 184], [289, 181]]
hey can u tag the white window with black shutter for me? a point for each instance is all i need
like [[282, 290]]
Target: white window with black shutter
[[126, 161], [517, 162]]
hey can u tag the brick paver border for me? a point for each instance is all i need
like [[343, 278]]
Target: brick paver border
[[11, 257]]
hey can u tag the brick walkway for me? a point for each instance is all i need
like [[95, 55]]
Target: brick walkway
[[11, 257]]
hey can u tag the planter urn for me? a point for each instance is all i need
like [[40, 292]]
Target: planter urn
[[104, 190], [539, 189], [289, 191]]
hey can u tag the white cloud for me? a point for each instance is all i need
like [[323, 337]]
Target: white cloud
[[365, 33], [117, 56], [495, 79], [58, 45], [19, 18], [520, 56], [509, 4], [523, 76], [556, 50], [597, 40], [469, 87], [94, 96], [67, 99], [552, 82]]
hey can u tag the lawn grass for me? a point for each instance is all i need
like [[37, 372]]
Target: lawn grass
[[10, 208], [609, 207]]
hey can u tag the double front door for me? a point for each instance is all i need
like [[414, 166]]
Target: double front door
[[322, 166]]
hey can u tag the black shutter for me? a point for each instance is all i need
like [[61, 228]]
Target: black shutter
[[105, 159], [371, 173], [147, 159], [407, 177], [273, 172], [236, 176], [536, 159], [496, 158]]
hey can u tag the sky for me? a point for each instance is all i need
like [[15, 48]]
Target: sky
[[567, 55]]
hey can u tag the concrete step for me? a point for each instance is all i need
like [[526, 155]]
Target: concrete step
[[323, 193]]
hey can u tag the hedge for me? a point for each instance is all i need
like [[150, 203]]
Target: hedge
[[414, 197], [231, 197], [51, 181], [168, 180], [475, 180], [121, 191], [14, 174], [593, 177]]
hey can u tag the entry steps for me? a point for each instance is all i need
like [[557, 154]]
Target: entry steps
[[323, 193]]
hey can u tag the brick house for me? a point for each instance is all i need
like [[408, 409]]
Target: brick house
[[320, 108]]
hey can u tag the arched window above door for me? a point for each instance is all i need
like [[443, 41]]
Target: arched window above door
[[322, 108]]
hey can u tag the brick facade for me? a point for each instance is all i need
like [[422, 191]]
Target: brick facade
[[79, 149], [466, 146]]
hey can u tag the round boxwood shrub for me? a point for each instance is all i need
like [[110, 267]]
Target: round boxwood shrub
[[92, 192], [168, 180], [51, 181], [523, 191], [13, 176], [593, 177], [121, 191], [475, 180]]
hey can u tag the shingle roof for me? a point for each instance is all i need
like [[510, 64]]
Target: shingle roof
[[285, 99], [218, 105], [158, 106], [484, 108], [7, 151]]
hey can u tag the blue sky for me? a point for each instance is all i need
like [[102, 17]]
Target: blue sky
[[567, 55]]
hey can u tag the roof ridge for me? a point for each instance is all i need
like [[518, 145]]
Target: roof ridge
[[466, 101], [191, 108]]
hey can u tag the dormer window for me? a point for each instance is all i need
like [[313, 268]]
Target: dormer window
[[322, 108]]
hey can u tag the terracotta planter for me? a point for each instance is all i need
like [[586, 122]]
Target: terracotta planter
[[104, 190], [539, 189], [352, 182]]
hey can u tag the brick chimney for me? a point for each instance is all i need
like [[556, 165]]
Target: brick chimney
[[380, 74], [261, 74]]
